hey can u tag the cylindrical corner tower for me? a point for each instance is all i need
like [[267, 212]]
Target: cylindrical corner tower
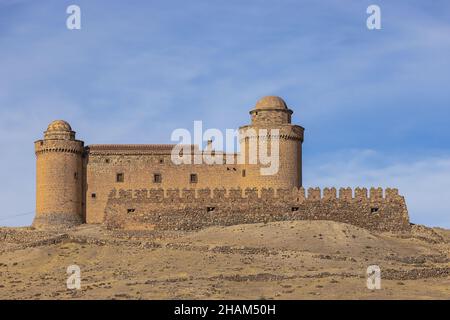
[[271, 120], [59, 177]]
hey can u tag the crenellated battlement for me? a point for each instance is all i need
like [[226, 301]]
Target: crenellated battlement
[[264, 194], [375, 209], [61, 146]]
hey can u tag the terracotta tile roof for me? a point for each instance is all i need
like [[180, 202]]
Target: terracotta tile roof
[[131, 148]]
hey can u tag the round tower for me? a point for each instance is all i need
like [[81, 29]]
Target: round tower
[[271, 120], [59, 177]]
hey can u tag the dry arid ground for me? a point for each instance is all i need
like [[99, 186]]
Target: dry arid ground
[[282, 260]]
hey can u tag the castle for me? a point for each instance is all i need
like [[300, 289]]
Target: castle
[[139, 186]]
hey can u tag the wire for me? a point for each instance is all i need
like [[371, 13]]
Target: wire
[[17, 215], [25, 213]]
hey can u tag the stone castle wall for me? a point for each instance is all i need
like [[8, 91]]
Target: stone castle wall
[[289, 172], [191, 209], [138, 164], [59, 182]]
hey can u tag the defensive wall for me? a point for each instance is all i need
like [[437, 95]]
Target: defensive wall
[[189, 209]]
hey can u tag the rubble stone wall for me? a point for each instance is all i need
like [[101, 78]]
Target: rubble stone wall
[[190, 209]]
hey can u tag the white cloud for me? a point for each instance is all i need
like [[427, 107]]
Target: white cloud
[[425, 183]]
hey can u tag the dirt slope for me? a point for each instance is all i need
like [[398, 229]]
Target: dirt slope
[[282, 260]]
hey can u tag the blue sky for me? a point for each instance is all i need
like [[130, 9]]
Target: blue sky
[[375, 104]]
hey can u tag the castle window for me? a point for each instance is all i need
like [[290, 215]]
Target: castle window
[[119, 177], [75, 175], [107, 160], [93, 196], [131, 210], [243, 173], [161, 160], [157, 178], [373, 210], [193, 178], [294, 209], [210, 209]]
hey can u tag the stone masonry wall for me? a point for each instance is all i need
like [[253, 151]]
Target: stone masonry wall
[[138, 172], [191, 209], [59, 181]]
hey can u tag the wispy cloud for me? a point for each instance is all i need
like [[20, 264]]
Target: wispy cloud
[[424, 182]]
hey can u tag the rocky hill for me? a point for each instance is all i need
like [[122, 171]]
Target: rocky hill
[[280, 260]]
